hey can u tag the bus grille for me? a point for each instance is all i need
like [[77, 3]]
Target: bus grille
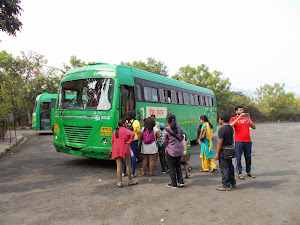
[[77, 135]]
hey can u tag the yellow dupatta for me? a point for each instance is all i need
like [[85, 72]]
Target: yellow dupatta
[[209, 134]]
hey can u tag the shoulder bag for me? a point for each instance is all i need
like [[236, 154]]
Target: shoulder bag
[[229, 152]]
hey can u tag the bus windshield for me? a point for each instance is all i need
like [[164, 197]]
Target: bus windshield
[[86, 94]]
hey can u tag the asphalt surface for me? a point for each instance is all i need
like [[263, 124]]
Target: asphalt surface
[[40, 186]]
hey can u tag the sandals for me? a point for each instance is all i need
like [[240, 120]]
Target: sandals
[[213, 170], [119, 184], [133, 175], [250, 175], [241, 177], [204, 170], [123, 174], [187, 175]]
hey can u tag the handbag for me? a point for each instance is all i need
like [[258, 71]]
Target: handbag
[[229, 151], [185, 155]]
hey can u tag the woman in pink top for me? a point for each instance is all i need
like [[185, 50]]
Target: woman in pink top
[[120, 150]]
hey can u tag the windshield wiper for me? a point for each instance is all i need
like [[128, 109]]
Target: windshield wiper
[[67, 105]]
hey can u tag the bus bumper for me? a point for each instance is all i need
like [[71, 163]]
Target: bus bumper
[[90, 151]]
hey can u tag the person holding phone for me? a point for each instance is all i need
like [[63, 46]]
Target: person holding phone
[[241, 124]]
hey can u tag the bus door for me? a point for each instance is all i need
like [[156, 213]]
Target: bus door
[[52, 109], [45, 116], [127, 101]]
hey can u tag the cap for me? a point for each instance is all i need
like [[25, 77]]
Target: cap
[[161, 125]]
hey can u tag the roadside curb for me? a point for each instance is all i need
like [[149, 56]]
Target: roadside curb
[[15, 143]]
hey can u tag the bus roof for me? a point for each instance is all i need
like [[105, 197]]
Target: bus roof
[[111, 71], [45, 97]]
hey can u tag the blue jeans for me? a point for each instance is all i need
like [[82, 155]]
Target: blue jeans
[[133, 146], [240, 148]]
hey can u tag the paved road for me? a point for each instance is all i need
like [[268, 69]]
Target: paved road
[[40, 186]]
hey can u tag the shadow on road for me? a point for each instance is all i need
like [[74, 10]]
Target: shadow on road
[[279, 173], [90, 162], [261, 184]]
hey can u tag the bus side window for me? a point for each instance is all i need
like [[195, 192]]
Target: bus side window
[[168, 96], [138, 93], [192, 99], [205, 100], [173, 97], [196, 100], [212, 101], [154, 95], [150, 94], [162, 95], [180, 100], [200, 100], [186, 98], [147, 93]]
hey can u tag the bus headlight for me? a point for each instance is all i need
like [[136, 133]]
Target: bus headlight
[[55, 137], [104, 141]]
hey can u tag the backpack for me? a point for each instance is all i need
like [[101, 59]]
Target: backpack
[[148, 137], [129, 125]]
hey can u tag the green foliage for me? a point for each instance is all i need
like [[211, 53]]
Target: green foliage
[[151, 66], [276, 104], [74, 63], [201, 76], [9, 12], [22, 79], [238, 98]]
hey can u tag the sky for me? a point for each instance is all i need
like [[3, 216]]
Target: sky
[[252, 43]]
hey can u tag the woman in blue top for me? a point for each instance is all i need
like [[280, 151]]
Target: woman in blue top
[[207, 153]]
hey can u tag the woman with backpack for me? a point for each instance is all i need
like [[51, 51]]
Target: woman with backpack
[[172, 137], [133, 125], [121, 139], [149, 133], [205, 140]]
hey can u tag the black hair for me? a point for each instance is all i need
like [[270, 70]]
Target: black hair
[[171, 119], [120, 124], [149, 124], [238, 107], [204, 118], [225, 117], [130, 115]]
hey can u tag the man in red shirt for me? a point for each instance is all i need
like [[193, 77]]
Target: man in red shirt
[[241, 124]]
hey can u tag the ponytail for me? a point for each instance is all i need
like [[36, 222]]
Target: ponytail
[[117, 132], [121, 122], [171, 119]]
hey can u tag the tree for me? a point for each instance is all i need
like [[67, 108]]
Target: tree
[[201, 77], [9, 12], [24, 78], [238, 98], [151, 66], [276, 103], [74, 63]]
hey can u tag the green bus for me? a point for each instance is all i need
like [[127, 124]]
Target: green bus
[[103, 94], [43, 111]]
